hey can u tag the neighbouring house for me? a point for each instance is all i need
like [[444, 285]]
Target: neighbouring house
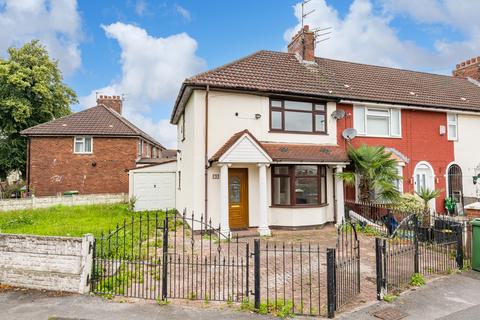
[[90, 151], [261, 138]]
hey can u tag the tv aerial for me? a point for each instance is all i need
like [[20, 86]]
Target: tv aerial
[[349, 133], [320, 33]]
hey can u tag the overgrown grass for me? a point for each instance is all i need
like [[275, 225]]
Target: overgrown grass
[[72, 221]]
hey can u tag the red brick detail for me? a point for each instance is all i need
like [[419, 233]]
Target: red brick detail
[[112, 102], [469, 68], [54, 168], [303, 43], [421, 141]]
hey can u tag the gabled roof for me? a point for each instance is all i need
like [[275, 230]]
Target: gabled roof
[[96, 121], [289, 152], [282, 73]]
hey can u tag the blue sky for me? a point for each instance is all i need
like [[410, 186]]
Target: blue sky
[[145, 48]]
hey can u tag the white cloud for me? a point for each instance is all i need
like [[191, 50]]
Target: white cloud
[[183, 12], [57, 24], [366, 35], [152, 72], [140, 7]]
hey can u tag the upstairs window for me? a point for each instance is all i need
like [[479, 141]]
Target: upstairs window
[[148, 151], [297, 116], [377, 122], [139, 148], [83, 145], [452, 126], [154, 152]]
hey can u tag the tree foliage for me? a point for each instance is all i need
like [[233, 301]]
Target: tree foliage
[[31, 92], [376, 171]]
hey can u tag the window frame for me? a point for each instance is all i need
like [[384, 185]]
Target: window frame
[[148, 151], [182, 127], [366, 115], [82, 138], [313, 112], [321, 174], [455, 124]]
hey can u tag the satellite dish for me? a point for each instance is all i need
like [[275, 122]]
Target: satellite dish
[[349, 133], [338, 114]]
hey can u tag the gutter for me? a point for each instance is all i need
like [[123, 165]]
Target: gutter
[[409, 107]]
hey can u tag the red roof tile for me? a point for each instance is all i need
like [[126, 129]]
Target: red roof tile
[[283, 73], [96, 121], [290, 152]]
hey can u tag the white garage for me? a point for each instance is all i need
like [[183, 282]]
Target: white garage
[[153, 186]]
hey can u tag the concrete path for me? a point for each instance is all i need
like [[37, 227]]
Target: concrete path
[[453, 297], [29, 304]]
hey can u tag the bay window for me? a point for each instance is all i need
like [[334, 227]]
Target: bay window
[[299, 185], [297, 116], [83, 145], [377, 122]]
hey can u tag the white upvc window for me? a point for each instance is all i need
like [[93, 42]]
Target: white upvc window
[[148, 151], [139, 148], [83, 145], [452, 126], [154, 152], [377, 122]]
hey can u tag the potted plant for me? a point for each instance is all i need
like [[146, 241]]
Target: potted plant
[[450, 205]]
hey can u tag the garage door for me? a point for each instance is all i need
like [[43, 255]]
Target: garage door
[[154, 190]]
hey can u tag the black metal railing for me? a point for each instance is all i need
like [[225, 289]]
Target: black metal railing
[[165, 255]]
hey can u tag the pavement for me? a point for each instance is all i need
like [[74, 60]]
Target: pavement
[[450, 297], [41, 305]]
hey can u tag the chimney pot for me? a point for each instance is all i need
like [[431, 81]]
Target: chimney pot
[[468, 68], [112, 102]]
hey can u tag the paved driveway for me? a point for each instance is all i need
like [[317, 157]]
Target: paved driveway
[[452, 297]]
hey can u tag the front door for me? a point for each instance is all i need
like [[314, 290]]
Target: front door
[[238, 198]]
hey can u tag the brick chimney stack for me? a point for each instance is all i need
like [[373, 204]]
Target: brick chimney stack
[[112, 102], [469, 68], [303, 43]]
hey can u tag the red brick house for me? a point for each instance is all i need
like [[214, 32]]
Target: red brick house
[[89, 151]]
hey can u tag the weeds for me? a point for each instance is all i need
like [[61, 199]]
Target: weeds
[[417, 280]]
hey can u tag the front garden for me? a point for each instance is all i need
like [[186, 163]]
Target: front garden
[[73, 221]]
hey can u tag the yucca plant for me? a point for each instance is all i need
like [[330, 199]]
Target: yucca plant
[[377, 173], [427, 195]]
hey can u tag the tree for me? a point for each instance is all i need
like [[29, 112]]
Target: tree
[[377, 173], [427, 195], [31, 92]]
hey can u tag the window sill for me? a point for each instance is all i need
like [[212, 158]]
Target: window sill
[[83, 153], [300, 206], [372, 136], [299, 132]]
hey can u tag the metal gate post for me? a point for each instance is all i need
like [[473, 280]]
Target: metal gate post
[[459, 256], [416, 259], [331, 283], [256, 269], [165, 257], [379, 267]]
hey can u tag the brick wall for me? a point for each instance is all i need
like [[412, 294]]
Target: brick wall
[[421, 141], [51, 263], [54, 168]]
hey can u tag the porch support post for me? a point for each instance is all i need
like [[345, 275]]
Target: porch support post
[[224, 224], [263, 228], [340, 214]]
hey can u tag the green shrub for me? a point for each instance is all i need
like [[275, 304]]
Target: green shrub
[[417, 280], [409, 202], [389, 297]]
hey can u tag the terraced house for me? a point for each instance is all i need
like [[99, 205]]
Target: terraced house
[[259, 139]]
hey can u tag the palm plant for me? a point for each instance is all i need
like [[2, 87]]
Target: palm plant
[[427, 195], [377, 173]]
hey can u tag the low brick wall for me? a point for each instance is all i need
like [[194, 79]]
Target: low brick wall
[[75, 200], [51, 263]]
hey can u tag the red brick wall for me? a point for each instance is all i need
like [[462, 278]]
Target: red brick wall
[[54, 168], [421, 141]]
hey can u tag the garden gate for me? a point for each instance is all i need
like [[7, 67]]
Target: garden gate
[[169, 256]]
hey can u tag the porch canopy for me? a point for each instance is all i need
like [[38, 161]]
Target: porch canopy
[[244, 148]]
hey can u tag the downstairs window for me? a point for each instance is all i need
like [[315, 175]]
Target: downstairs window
[[299, 185]]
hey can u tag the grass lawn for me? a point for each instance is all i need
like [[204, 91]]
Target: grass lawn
[[66, 221]]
